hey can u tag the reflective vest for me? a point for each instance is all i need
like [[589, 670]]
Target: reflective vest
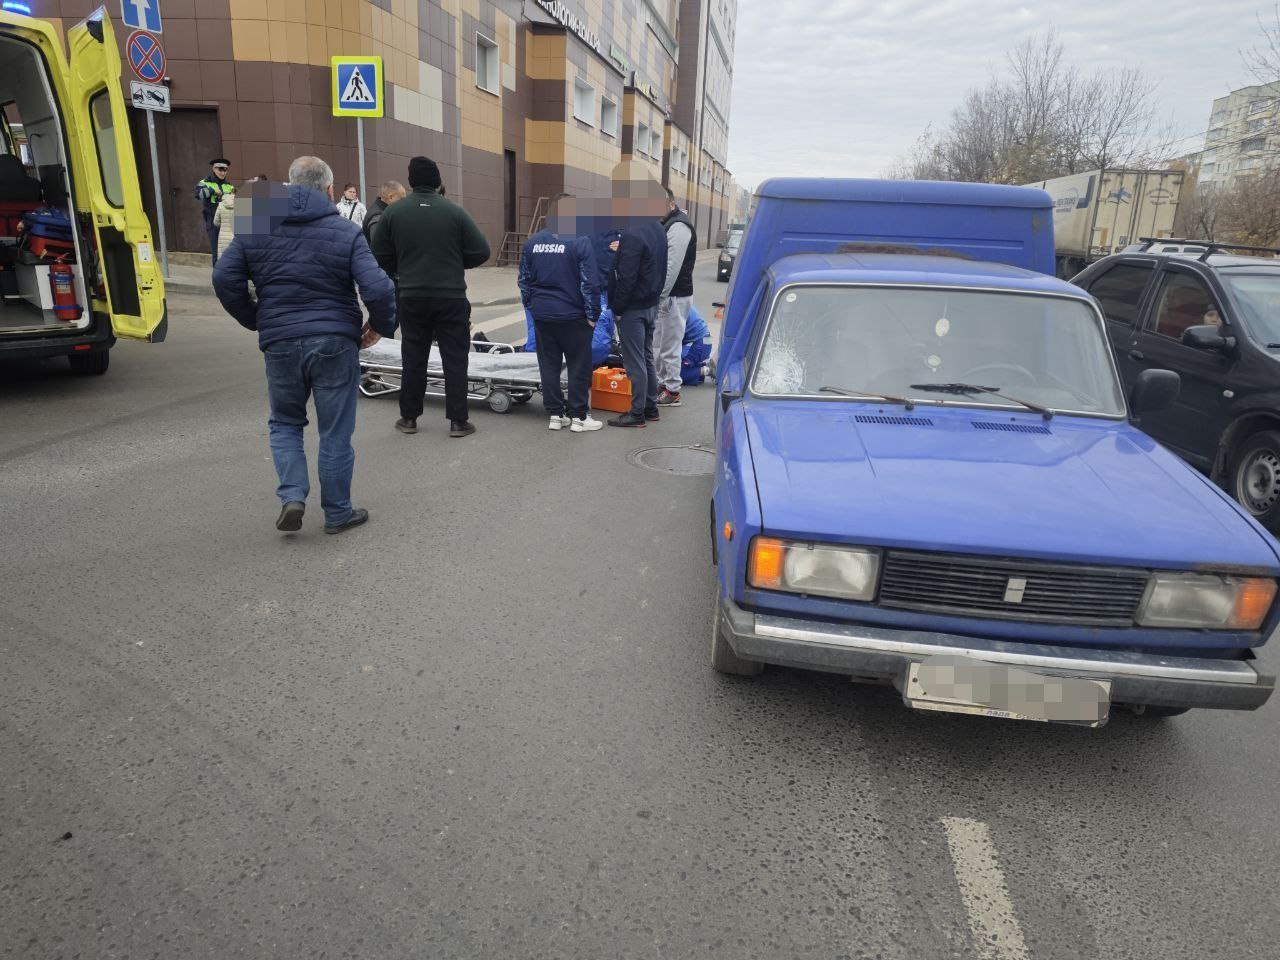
[[210, 191]]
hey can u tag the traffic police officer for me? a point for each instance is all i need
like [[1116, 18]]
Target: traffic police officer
[[210, 192]]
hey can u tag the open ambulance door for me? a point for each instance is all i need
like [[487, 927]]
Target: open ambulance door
[[106, 186]]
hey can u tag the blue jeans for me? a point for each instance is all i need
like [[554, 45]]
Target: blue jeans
[[326, 368]]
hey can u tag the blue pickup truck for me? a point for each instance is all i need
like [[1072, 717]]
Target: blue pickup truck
[[928, 475]]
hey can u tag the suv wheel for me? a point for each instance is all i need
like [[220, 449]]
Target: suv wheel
[[1256, 478]]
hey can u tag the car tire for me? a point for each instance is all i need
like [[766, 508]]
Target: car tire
[[723, 659], [1255, 477], [1158, 713], [90, 364]]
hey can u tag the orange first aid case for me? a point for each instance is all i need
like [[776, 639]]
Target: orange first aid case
[[610, 390]]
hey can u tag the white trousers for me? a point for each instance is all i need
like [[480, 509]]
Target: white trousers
[[668, 340]]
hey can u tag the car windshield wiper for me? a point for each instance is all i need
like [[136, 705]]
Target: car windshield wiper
[[860, 395], [978, 388]]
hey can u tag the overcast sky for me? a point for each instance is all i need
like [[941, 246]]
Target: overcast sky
[[843, 87]]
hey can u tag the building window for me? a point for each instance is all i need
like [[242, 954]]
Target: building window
[[1250, 163], [488, 65], [642, 139], [1216, 133], [1257, 106], [1254, 145], [584, 101], [608, 117], [655, 148]]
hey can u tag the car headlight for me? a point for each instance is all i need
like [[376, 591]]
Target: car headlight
[[1209, 602], [823, 570]]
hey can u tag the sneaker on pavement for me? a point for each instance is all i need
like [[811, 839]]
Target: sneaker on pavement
[[405, 425], [356, 519], [668, 399], [290, 519], [461, 428], [585, 424], [628, 419], [558, 422], [652, 415]]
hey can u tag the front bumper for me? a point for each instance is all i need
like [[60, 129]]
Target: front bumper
[[878, 653]]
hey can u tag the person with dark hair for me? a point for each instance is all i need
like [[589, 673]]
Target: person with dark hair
[[350, 207], [210, 192], [673, 308], [427, 243]]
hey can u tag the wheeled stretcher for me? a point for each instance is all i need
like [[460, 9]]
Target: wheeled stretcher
[[501, 376]]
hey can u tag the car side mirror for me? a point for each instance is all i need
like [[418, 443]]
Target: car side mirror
[[1154, 390], [1207, 337], [731, 386]]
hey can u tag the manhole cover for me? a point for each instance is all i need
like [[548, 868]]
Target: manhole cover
[[681, 461]]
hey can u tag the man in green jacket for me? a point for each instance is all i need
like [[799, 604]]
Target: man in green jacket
[[426, 243]]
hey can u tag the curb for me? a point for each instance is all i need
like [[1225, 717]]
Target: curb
[[499, 302]]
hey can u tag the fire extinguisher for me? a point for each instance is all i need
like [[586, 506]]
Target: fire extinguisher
[[63, 281]]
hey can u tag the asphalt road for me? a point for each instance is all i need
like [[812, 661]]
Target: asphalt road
[[484, 725]]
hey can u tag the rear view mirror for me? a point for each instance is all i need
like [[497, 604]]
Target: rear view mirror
[[1154, 390], [1206, 337]]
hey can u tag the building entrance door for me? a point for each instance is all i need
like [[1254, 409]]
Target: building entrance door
[[186, 140]]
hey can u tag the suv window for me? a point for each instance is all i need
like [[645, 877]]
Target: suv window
[[1119, 291], [1184, 302]]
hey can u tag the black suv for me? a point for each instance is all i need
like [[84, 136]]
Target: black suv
[[1214, 319]]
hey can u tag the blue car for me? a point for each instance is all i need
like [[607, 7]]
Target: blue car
[[928, 473]]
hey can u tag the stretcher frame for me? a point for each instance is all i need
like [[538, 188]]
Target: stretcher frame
[[501, 393]]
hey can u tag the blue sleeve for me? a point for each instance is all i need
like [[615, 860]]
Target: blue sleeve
[[589, 279], [525, 277], [376, 289], [231, 284]]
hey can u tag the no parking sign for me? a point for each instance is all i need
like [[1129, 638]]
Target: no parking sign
[[146, 56]]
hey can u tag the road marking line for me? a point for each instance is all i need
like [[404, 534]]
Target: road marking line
[[497, 323], [986, 896]]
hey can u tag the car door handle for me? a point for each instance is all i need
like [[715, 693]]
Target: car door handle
[[1136, 355]]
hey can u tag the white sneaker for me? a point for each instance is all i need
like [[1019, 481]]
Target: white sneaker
[[585, 424], [557, 423]]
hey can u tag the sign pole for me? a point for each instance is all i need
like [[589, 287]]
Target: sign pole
[[360, 148], [155, 179]]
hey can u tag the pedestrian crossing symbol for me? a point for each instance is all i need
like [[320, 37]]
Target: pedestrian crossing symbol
[[357, 87]]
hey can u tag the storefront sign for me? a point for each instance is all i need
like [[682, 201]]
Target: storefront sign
[[570, 21], [620, 60], [650, 91]]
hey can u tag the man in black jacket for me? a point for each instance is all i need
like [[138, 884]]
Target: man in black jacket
[[388, 193], [635, 287], [427, 242]]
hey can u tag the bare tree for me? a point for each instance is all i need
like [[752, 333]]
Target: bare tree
[[1263, 60], [1251, 210], [1200, 212]]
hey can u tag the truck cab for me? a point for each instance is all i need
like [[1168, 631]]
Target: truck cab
[[927, 475], [77, 267]]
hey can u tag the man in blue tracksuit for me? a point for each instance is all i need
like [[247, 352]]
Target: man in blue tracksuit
[[559, 286]]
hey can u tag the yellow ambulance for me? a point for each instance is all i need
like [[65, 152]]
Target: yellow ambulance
[[77, 266]]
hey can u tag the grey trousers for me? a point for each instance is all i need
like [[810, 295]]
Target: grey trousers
[[635, 331], [673, 314]]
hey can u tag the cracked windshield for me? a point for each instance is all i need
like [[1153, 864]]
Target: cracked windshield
[[639, 480]]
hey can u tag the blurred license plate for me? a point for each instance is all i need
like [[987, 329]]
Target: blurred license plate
[[955, 684]]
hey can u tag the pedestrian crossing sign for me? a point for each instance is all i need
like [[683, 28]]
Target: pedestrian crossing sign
[[357, 87]]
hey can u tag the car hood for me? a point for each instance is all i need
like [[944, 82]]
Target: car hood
[[983, 481]]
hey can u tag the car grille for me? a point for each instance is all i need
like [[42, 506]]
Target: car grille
[[989, 587]]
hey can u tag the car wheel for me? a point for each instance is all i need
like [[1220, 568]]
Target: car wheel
[[1256, 478], [723, 659], [90, 364], [1157, 713]]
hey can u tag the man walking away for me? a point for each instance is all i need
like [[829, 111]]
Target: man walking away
[[635, 287], [388, 193], [306, 263], [210, 192], [426, 243], [559, 286], [677, 294]]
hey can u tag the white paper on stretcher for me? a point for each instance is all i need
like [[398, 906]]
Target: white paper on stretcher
[[522, 367]]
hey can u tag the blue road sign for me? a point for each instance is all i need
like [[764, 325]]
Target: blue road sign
[[357, 87], [141, 15], [146, 56]]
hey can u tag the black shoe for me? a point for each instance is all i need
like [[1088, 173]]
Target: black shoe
[[668, 399], [290, 519], [628, 419], [461, 428], [652, 415], [357, 517], [405, 425]]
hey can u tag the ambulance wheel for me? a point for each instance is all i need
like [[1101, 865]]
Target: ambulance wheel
[[500, 401], [723, 659], [90, 364]]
